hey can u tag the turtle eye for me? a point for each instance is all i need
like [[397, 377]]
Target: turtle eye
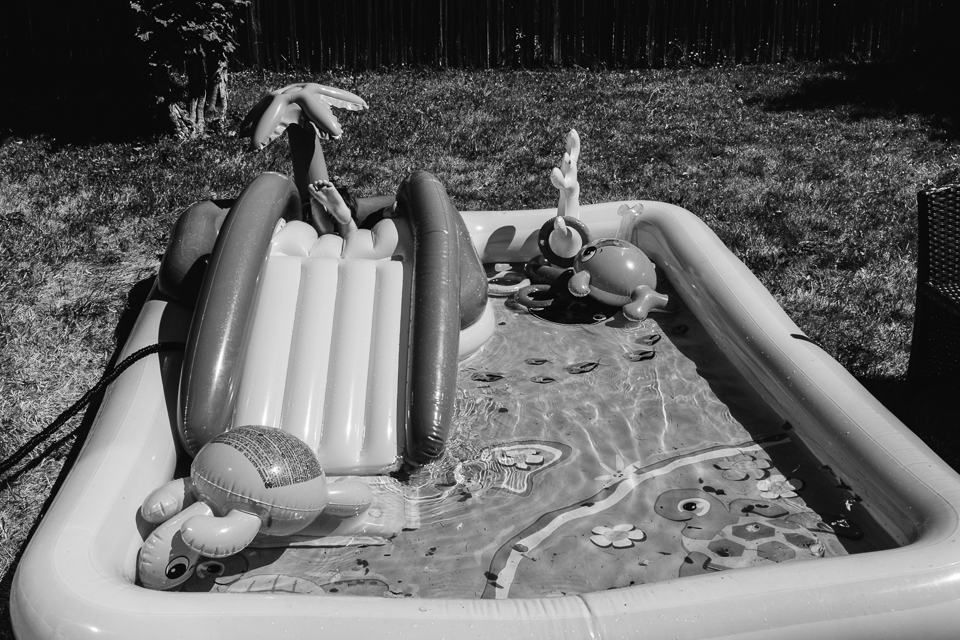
[[209, 568], [177, 568], [695, 506], [587, 253]]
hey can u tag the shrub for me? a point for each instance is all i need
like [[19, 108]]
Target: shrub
[[189, 43]]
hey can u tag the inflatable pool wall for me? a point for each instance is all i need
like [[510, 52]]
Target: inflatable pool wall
[[76, 579]]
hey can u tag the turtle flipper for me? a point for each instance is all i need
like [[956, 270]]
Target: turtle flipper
[[644, 300], [221, 537], [348, 498], [167, 501], [165, 561], [579, 284]]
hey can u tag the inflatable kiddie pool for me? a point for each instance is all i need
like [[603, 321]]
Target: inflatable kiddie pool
[[78, 576]]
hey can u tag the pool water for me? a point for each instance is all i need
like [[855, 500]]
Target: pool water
[[588, 457]]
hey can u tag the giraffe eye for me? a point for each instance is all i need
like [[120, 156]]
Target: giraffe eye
[[587, 253], [695, 506]]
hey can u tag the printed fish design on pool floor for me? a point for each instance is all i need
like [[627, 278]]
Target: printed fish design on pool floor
[[581, 367], [639, 355], [486, 376]]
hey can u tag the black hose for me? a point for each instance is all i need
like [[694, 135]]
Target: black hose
[[109, 376]]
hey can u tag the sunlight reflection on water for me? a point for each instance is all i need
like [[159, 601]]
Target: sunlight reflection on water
[[564, 440]]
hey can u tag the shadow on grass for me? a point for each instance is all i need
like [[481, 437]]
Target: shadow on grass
[[882, 89], [81, 109], [135, 301]]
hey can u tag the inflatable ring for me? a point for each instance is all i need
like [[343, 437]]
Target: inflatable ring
[[539, 271], [506, 283], [525, 297], [544, 240]]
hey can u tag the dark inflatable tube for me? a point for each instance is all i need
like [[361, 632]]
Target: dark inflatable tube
[[185, 261], [474, 286], [527, 297], [224, 307], [435, 313]]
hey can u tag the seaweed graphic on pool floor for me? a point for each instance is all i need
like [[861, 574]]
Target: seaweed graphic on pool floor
[[509, 467]]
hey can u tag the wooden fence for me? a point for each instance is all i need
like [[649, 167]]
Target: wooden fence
[[46, 43], [369, 34]]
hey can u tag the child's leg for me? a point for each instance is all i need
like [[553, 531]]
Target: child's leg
[[309, 165]]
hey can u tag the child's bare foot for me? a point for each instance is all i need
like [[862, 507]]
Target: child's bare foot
[[323, 193], [327, 195]]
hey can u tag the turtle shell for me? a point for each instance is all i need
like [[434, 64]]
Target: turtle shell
[[264, 471]]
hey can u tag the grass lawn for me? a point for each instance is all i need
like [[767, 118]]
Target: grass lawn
[[807, 172]]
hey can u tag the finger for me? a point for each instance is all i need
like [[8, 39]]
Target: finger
[[319, 113], [266, 129], [290, 88], [253, 116], [337, 97]]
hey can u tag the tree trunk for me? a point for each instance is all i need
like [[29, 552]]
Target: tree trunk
[[215, 108], [205, 102]]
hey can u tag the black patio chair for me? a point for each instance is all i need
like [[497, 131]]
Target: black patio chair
[[935, 349]]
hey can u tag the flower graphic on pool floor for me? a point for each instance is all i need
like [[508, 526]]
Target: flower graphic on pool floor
[[616, 473], [519, 458], [620, 536], [778, 486], [743, 466]]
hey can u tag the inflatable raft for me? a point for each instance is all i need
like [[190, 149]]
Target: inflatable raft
[[300, 345]]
